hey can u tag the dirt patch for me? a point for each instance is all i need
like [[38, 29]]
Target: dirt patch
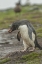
[[16, 57], [19, 57]]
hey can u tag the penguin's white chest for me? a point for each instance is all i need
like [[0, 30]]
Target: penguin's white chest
[[24, 31]]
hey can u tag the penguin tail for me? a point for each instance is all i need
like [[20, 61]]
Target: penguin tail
[[37, 45]]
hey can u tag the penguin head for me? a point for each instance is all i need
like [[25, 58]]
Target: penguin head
[[13, 27]]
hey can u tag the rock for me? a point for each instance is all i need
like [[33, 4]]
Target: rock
[[5, 37]]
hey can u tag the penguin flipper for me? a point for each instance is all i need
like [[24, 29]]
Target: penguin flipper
[[18, 36]]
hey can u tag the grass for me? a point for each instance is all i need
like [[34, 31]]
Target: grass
[[32, 58], [25, 13], [35, 61], [39, 35], [39, 32], [2, 61]]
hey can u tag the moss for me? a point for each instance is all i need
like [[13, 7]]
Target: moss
[[2, 61], [39, 35], [39, 30], [35, 61], [30, 57]]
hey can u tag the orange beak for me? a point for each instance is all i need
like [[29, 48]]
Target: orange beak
[[9, 30]]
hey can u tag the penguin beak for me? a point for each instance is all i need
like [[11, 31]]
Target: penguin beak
[[10, 31]]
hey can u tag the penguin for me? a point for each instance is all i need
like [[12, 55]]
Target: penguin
[[27, 33]]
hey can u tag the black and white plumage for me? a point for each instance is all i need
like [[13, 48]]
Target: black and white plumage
[[26, 32]]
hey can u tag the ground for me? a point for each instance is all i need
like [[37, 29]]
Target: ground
[[12, 55]]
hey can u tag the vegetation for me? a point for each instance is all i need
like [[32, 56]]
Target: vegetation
[[2, 61], [9, 16], [32, 58]]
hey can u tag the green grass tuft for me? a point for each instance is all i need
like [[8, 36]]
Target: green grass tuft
[[30, 57], [39, 35], [2, 61], [39, 30]]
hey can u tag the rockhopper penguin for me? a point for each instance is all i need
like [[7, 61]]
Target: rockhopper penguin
[[26, 32]]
